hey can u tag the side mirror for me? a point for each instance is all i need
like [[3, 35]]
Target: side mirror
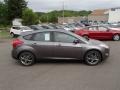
[[76, 41]]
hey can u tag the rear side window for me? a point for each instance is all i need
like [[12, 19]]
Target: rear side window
[[44, 36]]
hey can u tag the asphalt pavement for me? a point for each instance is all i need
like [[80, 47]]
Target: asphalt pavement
[[59, 75]]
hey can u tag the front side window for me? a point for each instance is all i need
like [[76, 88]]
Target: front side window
[[62, 37], [45, 37], [93, 28], [102, 29]]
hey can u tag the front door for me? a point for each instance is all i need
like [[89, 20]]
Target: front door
[[64, 46]]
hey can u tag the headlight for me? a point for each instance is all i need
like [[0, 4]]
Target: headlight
[[103, 45]]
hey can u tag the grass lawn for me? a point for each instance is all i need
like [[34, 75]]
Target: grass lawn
[[4, 34]]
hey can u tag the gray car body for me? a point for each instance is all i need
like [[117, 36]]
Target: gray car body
[[60, 50]]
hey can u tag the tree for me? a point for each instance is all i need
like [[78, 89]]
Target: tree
[[15, 8], [3, 15], [53, 15], [29, 17]]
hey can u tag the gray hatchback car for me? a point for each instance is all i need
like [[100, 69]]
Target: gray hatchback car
[[57, 44]]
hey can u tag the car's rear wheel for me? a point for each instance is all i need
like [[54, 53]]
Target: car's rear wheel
[[93, 57], [116, 37], [26, 58]]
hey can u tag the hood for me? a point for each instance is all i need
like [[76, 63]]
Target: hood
[[98, 43], [95, 42]]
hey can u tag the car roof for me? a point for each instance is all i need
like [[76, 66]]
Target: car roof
[[44, 30]]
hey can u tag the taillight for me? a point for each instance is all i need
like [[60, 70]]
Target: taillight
[[17, 42]]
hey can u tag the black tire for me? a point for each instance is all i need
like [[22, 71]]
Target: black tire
[[12, 35], [116, 37], [93, 57], [26, 59], [86, 37]]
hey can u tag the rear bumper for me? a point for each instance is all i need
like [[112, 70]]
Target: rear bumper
[[14, 54]]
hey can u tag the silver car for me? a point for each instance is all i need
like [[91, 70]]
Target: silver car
[[57, 44]]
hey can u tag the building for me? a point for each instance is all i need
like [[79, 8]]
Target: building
[[113, 15], [98, 16]]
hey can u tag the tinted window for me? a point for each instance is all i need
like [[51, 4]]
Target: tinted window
[[62, 37], [42, 37], [17, 28]]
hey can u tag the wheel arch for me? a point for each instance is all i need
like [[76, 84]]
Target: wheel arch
[[26, 51], [93, 50]]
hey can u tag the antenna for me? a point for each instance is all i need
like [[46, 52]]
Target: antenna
[[63, 12]]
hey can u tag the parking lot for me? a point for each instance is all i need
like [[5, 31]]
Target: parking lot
[[59, 75]]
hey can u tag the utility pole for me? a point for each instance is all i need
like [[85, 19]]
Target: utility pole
[[63, 12]]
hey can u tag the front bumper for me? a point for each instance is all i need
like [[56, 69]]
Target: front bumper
[[106, 53]]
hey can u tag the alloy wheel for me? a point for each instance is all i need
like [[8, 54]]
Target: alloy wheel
[[93, 58], [26, 58]]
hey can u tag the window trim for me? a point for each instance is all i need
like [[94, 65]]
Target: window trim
[[31, 39]]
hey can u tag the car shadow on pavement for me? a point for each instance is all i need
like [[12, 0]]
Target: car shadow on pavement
[[59, 61]]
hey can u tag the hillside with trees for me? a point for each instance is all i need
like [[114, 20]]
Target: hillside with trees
[[53, 15]]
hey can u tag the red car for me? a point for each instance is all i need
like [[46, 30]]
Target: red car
[[99, 32]]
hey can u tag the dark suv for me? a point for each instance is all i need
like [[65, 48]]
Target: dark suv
[[57, 44]]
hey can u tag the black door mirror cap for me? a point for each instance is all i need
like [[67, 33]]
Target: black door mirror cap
[[76, 41]]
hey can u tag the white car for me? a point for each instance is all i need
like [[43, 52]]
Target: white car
[[17, 30]]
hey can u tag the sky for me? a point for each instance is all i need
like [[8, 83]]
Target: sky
[[49, 5]]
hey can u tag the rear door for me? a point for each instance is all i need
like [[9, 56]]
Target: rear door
[[94, 32], [43, 44], [105, 33]]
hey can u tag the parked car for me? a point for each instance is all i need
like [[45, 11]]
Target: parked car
[[68, 27], [55, 26], [46, 26], [99, 33], [57, 44], [17, 30], [36, 27]]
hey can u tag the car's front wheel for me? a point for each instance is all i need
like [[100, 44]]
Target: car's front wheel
[[116, 37], [26, 58], [93, 57]]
